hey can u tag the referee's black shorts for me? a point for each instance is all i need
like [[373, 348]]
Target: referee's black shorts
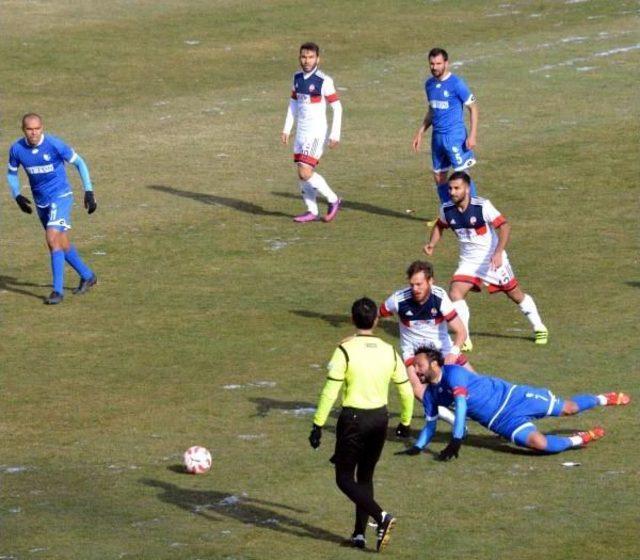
[[360, 436]]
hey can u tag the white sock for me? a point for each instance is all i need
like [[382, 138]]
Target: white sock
[[446, 415], [528, 307], [462, 309], [576, 441], [309, 196], [317, 182]]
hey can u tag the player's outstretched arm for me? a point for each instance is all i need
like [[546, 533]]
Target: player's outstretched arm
[[336, 124], [89, 198], [504, 232], [288, 121], [453, 448], [434, 238], [22, 201], [417, 139]]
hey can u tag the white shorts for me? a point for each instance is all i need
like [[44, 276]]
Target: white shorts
[[308, 150], [497, 280]]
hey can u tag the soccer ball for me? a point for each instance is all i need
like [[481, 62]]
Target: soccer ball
[[197, 460]]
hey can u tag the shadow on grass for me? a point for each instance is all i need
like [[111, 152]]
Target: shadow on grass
[[11, 284], [214, 506], [633, 283], [496, 335], [363, 207], [389, 327], [217, 200]]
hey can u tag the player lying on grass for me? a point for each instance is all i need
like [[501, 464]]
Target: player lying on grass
[[502, 407]]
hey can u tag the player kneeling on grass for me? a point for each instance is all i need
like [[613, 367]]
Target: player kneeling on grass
[[502, 407]]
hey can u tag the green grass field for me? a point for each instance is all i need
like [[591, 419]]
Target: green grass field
[[215, 314]]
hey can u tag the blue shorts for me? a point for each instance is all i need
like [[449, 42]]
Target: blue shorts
[[450, 150], [57, 214], [523, 404]]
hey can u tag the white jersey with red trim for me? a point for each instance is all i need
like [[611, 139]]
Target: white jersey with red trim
[[421, 324], [309, 96], [475, 228]]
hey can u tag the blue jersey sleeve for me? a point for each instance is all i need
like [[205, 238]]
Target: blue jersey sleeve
[[66, 152], [12, 167], [463, 92]]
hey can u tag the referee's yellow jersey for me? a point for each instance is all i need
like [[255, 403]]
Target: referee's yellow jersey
[[364, 365]]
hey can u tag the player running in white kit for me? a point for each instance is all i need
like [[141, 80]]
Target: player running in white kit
[[483, 234]]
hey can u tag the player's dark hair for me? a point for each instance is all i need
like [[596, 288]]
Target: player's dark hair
[[31, 116], [437, 51], [432, 354], [364, 312], [420, 266], [460, 175], [310, 47]]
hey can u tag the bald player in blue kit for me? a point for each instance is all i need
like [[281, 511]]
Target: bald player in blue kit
[[505, 408], [43, 158]]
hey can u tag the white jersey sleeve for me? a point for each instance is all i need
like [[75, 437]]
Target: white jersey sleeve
[[390, 305], [446, 305], [491, 215], [331, 95]]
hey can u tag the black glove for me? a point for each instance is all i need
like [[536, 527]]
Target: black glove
[[403, 431], [451, 450], [24, 203], [90, 202], [315, 436]]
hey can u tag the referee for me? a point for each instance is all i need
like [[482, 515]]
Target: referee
[[363, 365]]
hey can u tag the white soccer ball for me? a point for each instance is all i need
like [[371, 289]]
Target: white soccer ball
[[197, 460]]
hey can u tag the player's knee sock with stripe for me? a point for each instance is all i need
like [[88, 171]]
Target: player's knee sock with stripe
[[57, 270], [462, 309], [556, 444], [75, 261], [318, 182], [309, 196], [528, 307], [585, 402]]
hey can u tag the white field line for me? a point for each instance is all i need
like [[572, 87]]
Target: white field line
[[601, 36], [572, 61]]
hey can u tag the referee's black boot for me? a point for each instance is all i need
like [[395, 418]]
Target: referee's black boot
[[384, 531]]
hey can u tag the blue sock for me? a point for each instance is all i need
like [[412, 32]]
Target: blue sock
[[443, 192], [556, 444], [585, 402], [472, 188], [75, 261], [57, 270]]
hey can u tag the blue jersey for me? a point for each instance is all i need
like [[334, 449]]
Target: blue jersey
[[485, 395], [447, 99], [44, 165]]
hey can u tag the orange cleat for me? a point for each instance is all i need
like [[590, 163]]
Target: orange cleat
[[614, 399], [592, 435]]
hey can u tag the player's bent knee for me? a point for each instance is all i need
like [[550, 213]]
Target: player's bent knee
[[534, 440], [569, 408], [304, 172]]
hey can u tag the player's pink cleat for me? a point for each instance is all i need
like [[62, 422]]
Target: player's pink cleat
[[307, 217], [332, 211], [614, 399], [592, 435]]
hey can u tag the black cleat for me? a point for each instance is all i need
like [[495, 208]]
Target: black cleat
[[85, 285], [54, 298], [355, 541], [384, 531]]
